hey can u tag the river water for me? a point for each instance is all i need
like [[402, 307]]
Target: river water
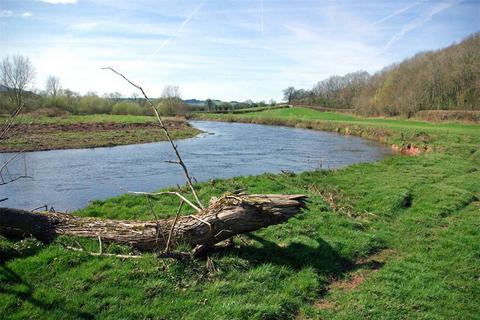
[[69, 179]]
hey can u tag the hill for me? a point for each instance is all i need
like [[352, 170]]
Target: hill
[[445, 79]]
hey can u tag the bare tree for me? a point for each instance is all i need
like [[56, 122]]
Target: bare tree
[[171, 92], [52, 86], [288, 94], [171, 101], [16, 73]]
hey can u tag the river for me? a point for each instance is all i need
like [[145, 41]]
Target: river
[[69, 179]]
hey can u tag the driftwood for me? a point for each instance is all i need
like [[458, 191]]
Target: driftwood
[[224, 218]]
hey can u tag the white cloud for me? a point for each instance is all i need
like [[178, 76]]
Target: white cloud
[[85, 26], [60, 1], [27, 14], [6, 13]]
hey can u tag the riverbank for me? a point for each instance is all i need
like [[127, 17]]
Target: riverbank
[[394, 239], [406, 136], [72, 132]]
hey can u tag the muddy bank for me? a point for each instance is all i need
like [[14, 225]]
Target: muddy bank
[[49, 136]]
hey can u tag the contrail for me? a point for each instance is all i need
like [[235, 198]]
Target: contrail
[[175, 34], [421, 20], [262, 30], [261, 16], [398, 12]]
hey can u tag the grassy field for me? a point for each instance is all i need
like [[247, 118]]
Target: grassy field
[[45, 133], [395, 239]]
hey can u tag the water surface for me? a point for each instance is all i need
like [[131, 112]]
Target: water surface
[[69, 179]]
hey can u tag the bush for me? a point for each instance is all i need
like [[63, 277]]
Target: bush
[[172, 107], [92, 104], [49, 112], [448, 115], [126, 107], [58, 102]]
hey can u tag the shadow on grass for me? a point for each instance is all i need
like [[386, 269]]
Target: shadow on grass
[[325, 260], [13, 284]]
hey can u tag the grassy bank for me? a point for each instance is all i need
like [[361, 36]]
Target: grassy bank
[[46, 133], [395, 239]]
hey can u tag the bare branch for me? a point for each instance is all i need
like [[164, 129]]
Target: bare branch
[[97, 254], [167, 246], [4, 171], [167, 133]]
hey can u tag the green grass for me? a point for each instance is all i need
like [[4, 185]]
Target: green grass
[[423, 211]]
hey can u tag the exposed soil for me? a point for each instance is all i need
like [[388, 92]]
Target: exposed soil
[[359, 272], [409, 150], [48, 136], [36, 128]]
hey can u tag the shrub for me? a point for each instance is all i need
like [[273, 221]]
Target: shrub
[[127, 107], [172, 107], [448, 115], [49, 112], [92, 104]]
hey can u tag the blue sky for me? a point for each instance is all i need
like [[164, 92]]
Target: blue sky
[[225, 49]]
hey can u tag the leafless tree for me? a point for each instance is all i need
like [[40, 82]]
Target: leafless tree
[[16, 73], [171, 92], [288, 94], [52, 86], [171, 101]]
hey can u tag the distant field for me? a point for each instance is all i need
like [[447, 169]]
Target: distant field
[[395, 239], [46, 133]]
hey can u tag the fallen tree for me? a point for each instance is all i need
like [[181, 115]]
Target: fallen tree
[[224, 218]]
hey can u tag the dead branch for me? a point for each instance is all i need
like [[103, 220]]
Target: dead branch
[[4, 171], [97, 254], [179, 210], [167, 134]]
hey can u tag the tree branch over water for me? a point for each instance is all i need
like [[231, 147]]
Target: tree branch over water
[[167, 134]]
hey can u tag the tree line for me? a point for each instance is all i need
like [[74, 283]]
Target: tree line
[[17, 75], [445, 79]]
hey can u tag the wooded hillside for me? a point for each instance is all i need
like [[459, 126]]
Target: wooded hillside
[[445, 79]]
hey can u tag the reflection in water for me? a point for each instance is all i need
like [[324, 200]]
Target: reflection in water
[[69, 179]]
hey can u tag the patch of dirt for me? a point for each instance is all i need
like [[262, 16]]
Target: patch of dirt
[[37, 128], [361, 270], [409, 149], [324, 305]]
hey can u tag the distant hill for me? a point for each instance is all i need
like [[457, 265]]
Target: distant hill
[[194, 102], [201, 103], [3, 88]]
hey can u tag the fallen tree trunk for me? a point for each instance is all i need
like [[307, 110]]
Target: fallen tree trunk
[[224, 218]]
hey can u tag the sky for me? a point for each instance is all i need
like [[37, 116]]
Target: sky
[[223, 49]]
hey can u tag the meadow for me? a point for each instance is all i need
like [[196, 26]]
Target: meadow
[[394, 239]]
